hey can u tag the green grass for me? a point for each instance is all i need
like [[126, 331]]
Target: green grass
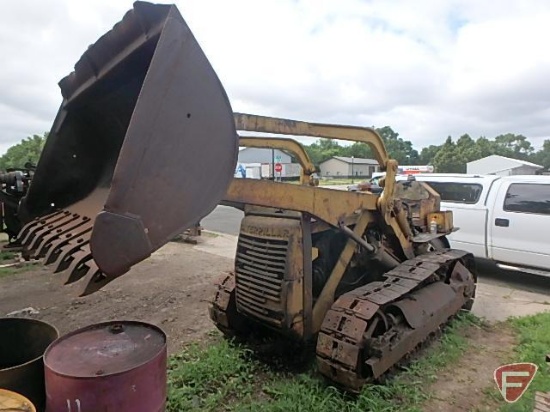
[[5, 272], [225, 377], [534, 344], [6, 255]]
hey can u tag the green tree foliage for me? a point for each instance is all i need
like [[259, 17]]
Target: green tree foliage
[[427, 154], [397, 148], [449, 157], [323, 149], [542, 157], [452, 157], [28, 150], [515, 146]]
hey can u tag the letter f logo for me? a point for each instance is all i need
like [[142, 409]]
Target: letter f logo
[[513, 379]]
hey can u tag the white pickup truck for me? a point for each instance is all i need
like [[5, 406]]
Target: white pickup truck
[[504, 219]]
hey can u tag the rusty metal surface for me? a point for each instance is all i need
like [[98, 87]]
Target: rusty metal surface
[[14, 402], [440, 301], [326, 298], [269, 270], [110, 366], [219, 306], [264, 124], [420, 200], [22, 345], [326, 204], [385, 203], [142, 115], [362, 335], [223, 308]]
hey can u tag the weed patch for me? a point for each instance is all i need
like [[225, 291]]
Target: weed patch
[[226, 377], [534, 344]]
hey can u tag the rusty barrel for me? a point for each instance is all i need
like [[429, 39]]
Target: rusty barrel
[[117, 366], [22, 345]]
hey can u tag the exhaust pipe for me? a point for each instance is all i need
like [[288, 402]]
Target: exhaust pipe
[[125, 167]]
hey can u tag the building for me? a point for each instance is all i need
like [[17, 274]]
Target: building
[[340, 166], [259, 155], [259, 163], [501, 166]]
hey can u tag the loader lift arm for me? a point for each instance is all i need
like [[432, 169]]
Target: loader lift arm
[[289, 145], [325, 204]]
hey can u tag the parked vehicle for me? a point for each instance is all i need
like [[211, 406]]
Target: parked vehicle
[[504, 219], [366, 186]]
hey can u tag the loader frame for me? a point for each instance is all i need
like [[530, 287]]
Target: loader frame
[[333, 207]]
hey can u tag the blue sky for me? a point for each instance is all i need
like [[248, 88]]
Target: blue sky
[[428, 69]]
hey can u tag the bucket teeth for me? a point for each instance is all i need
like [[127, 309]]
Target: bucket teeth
[[65, 258], [42, 224], [37, 222], [46, 241], [62, 239], [94, 279], [58, 246], [77, 268], [48, 230]]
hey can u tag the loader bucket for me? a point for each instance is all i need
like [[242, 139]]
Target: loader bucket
[[143, 146]]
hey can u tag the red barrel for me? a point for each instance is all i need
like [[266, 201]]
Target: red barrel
[[117, 366]]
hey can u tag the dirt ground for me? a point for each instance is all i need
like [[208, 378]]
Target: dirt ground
[[461, 386], [170, 290]]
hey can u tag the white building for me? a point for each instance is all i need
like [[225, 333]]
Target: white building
[[501, 166], [340, 166], [259, 163], [260, 155]]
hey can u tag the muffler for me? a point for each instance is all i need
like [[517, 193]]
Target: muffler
[[143, 146]]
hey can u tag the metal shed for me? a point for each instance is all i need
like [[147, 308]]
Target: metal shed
[[501, 166]]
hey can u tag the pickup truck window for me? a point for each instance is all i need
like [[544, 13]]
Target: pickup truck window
[[457, 192], [528, 198]]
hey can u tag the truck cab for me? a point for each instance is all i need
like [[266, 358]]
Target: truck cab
[[503, 219]]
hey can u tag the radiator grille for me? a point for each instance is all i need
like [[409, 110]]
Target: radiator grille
[[260, 270]]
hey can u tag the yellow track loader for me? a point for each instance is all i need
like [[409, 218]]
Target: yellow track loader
[[145, 144]]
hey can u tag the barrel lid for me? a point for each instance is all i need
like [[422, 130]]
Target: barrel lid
[[105, 349], [11, 401]]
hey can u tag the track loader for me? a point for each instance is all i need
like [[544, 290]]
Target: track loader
[[126, 167]]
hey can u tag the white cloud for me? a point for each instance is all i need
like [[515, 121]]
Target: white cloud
[[428, 69]]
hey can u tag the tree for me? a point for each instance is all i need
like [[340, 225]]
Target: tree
[[427, 155], [450, 157], [323, 149], [512, 145], [357, 149], [448, 160], [485, 147], [28, 150], [542, 157], [397, 148], [466, 149]]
